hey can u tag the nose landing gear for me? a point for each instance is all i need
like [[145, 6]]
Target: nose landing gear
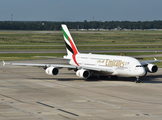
[[137, 80]]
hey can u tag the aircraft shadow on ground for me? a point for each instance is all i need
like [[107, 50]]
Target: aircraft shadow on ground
[[59, 79], [146, 79], [152, 79]]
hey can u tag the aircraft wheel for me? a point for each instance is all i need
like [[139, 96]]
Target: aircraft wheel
[[138, 80]]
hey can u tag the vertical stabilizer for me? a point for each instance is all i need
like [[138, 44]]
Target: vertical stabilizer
[[70, 45]]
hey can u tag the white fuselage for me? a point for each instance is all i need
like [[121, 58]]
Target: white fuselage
[[120, 65]]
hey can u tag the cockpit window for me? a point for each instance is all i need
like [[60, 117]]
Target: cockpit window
[[138, 66]]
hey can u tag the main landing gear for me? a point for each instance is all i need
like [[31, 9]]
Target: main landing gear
[[137, 80]]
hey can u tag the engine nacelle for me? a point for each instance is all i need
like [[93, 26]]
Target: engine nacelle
[[83, 73], [151, 68], [52, 71]]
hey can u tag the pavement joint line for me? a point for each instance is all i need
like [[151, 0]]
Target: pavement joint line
[[27, 112], [120, 107], [82, 89], [45, 104], [67, 112], [12, 98], [137, 101], [57, 109]]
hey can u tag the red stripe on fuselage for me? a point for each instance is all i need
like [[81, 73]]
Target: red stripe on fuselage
[[74, 50]]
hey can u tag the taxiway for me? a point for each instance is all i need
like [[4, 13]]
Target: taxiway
[[28, 93]]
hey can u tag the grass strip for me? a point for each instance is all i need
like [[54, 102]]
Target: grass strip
[[102, 47], [116, 37]]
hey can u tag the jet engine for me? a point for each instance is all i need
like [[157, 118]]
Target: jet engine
[[52, 71], [151, 68], [83, 73]]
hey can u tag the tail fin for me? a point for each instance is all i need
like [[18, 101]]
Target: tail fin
[[70, 45]]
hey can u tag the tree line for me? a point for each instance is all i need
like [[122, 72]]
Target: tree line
[[46, 25]]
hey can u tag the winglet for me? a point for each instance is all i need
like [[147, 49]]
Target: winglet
[[155, 59], [3, 63]]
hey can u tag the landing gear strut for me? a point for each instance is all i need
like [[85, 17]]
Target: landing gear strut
[[137, 80]]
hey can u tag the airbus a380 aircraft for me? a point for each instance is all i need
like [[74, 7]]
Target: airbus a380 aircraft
[[87, 65]]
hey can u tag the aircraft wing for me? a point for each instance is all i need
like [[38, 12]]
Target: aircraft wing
[[60, 66], [53, 57], [143, 63], [40, 65]]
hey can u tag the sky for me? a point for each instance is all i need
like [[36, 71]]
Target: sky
[[80, 10]]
